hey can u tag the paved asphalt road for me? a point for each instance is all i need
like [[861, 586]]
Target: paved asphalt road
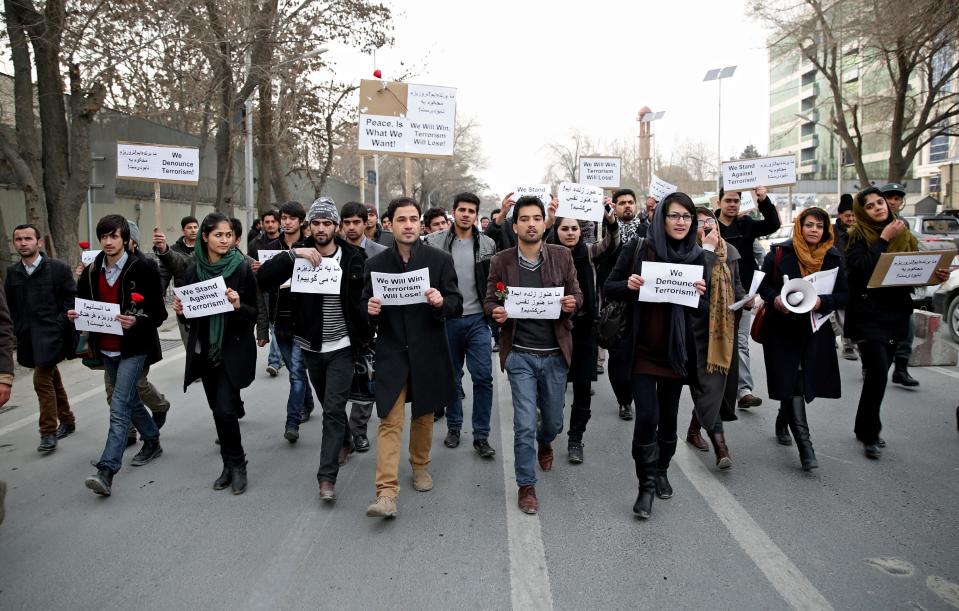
[[856, 534]]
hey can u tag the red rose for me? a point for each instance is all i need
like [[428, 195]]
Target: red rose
[[136, 297], [85, 245], [500, 286]]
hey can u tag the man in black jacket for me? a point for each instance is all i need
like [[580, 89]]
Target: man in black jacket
[[741, 231], [116, 276], [6, 374], [412, 353], [40, 290], [328, 328]]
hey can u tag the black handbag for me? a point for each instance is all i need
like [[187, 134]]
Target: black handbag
[[610, 327]]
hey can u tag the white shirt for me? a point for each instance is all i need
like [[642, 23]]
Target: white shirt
[[33, 267]]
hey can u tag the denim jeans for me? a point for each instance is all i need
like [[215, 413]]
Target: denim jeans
[[275, 358], [469, 338], [331, 374], [124, 407], [742, 335], [535, 382], [301, 397]]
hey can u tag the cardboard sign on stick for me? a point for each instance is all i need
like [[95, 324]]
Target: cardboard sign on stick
[[909, 268]]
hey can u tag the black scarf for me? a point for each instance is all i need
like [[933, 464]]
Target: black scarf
[[585, 274], [685, 252]]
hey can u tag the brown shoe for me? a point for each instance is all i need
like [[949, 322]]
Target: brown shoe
[[383, 507], [327, 491], [345, 452], [749, 401], [694, 436], [722, 452], [422, 481], [545, 456], [527, 500]]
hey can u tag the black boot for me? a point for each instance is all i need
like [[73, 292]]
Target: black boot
[[101, 483], [782, 425], [226, 478], [151, 449], [800, 431], [645, 458], [238, 473], [666, 451], [901, 373]]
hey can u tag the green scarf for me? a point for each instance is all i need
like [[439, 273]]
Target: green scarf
[[207, 271], [869, 230]]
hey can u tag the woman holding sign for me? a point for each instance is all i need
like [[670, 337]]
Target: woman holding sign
[[220, 348], [801, 362], [876, 318], [660, 344]]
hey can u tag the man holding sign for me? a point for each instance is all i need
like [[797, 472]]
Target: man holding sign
[[118, 277], [535, 352], [412, 349], [741, 231], [328, 325]]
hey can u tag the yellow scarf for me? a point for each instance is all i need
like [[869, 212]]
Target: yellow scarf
[[722, 331], [810, 258]]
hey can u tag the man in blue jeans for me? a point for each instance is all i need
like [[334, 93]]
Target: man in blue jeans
[[469, 334], [535, 352], [118, 277]]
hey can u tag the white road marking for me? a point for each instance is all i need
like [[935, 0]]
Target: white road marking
[[945, 372], [22, 422], [528, 573], [784, 576]]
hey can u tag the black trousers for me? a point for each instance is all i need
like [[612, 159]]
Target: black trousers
[[877, 356], [224, 400], [657, 405], [331, 374], [619, 369], [581, 374]]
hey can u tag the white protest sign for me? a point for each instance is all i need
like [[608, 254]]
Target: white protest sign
[[600, 171], [384, 134], [431, 114], [528, 302], [753, 290], [204, 298], [424, 123], [323, 279], [659, 188], [670, 283], [401, 289], [579, 201], [88, 256], [759, 172], [265, 255], [97, 317], [158, 163], [540, 191], [911, 269], [746, 201], [823, 281]]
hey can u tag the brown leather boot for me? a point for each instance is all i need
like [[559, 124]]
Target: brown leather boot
[[693, 435], [722, 452], [545, 456], [527, 501]]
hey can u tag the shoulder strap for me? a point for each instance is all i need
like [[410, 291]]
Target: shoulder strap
[[640, 243]]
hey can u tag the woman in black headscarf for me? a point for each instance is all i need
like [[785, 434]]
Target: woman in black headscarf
[[660, 343], [582, 370]]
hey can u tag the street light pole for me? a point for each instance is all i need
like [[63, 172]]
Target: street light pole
[[718, 74]]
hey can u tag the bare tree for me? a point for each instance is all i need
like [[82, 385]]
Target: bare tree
[[911, 46]]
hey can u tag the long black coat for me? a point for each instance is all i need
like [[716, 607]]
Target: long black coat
[[411, 343], [789, 339], [239, 347], [874, 314], [38, 304]]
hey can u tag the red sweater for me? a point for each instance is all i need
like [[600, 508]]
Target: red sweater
[[111, 294]]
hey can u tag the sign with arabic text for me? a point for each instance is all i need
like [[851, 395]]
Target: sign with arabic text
[[324, 279], [528, 302]]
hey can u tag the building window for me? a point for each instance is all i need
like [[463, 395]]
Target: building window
[[941, 62], [939, 148], [935, 184]]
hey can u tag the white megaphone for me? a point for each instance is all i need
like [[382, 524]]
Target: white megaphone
[[798, 295]]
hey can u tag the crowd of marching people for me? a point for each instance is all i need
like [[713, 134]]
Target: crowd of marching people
[[353, 345]]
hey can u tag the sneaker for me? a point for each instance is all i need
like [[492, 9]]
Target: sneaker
[[747, 401], [273, 371], [151, 449], [483, 448], [422, 480], [452, 439], [65, 428], [575, 450], [292, 434], [384, 507], [48, 443], [625, 412]]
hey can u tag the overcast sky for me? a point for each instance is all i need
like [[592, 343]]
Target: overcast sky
[[530, 71]]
